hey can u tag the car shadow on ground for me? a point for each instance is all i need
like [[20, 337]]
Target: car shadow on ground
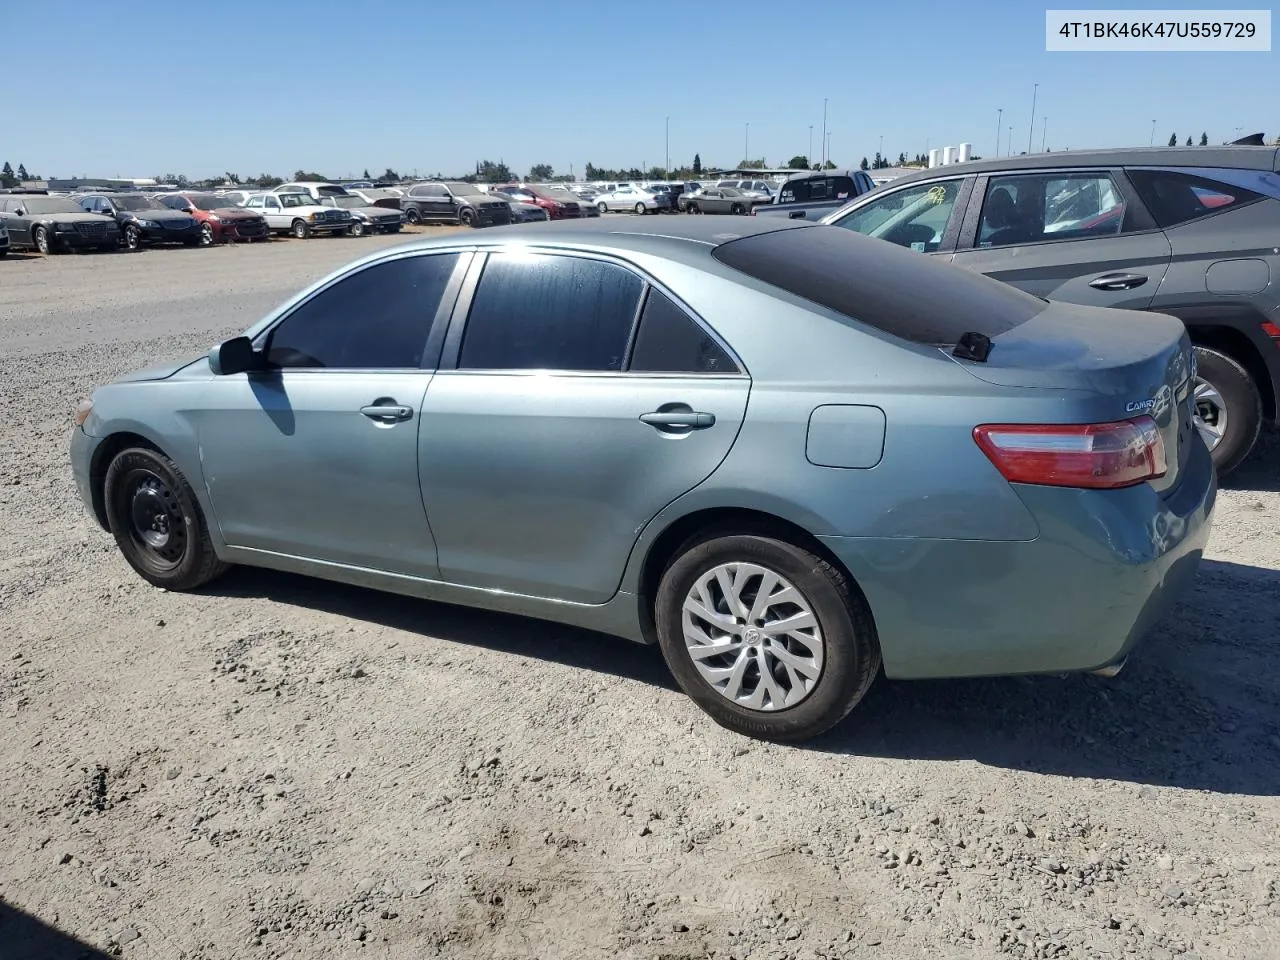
[[1197, 707], [24, 937], [1260, 472]]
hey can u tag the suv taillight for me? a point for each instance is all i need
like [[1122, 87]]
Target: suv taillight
[[1093, 455]]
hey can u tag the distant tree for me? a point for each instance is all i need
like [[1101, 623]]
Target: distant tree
[[798, 163], [1188, 141], [490, 172], [1173, 139], [302, 176], [232, 178], [367, 175], [656, 173], [175, 179], [1204, 139], [697, 165], [389, 174], [22, 173], [828, 165], [753, 164], [902, 159], [541, 172], [6, 176], [864, 165], [878, 162], [267, 181]]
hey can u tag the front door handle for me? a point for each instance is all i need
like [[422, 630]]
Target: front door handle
[[1118, 281], [683, 419], [386, 410], [796, 215]]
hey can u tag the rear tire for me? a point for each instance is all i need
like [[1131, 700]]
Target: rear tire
[[1228, 409], [840, 659], [156, 520], [640, 209]]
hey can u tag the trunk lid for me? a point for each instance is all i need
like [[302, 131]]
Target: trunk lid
[[1136, 362]]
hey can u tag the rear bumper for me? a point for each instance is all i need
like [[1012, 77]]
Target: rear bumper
[[1106, 567]]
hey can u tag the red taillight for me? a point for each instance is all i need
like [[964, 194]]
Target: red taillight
[[1271, 330], [1095, 455]]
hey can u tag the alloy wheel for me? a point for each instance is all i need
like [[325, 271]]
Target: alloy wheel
[[753, 636], [1210, 413]]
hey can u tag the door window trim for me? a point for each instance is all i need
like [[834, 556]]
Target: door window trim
[[435, 336], [1145, 223], [462, 309]]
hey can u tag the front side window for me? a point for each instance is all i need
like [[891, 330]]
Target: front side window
[[547, 312], [670, 341], [1050, 206], [914, 217], [375, 319], [1175, 197], [254, 202]]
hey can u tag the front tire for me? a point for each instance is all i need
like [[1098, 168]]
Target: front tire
[[40, 237], [301, 229], [131, 237], [737, 210], [692, 208], [153, 514], [467, 218], [207, 238], [1228, 409], [767, 637], [356, 229]]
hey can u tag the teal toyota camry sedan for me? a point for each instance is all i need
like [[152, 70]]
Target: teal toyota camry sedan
[[792, 456]]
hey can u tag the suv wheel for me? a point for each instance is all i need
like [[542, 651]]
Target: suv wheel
[[1228, 408], [467, 217], [413, 216], [765, 636]]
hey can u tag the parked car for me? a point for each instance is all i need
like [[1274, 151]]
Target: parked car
[[522, 211], [51, 224], [759, 187], [143, 221], [811, 194], [627, 196], [724, 200], [559, 206], [689, 191], [377, 197], [1190, 232], [4, 236], [562, 194], [221, 221], [236, 197], [933, 469], [454, 202], [298, 215], [315, 189], [366, 219]]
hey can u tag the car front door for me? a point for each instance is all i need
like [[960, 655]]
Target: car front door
[[1081, 236], [557, 433], [316, 456], [19, 224], [924, 217]]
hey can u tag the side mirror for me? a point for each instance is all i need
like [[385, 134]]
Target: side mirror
[[234, 356]]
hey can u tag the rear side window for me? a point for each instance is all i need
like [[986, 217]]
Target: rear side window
[[550, 312], [1175, 198], [880, 284], [671, 341], [375, 319]]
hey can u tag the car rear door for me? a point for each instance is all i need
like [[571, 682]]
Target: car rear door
[[574, 401], [1080, 236], [316, 456]]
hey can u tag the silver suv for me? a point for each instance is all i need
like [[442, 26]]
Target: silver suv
[[1193, 232]]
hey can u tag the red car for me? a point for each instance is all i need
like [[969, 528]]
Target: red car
[[221, 221], [556, 202]]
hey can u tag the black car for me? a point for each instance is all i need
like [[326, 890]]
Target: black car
[[454, 202], [143, 220], [55, 225]]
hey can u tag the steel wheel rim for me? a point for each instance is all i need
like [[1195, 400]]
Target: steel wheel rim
[[1211, 418], [156, 523], [753, 637]]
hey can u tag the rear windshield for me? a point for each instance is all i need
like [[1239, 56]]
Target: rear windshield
[[903, 293]]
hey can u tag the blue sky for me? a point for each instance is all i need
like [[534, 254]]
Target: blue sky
[[138, 92]]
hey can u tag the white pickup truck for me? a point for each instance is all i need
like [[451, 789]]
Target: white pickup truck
[[299, 214]]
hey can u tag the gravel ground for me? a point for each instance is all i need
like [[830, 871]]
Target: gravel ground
[[280, 767]]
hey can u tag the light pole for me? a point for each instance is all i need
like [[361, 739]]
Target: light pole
[[828, 151], [668, 168], [1152, 141], [880, 152], [824, 132], [1044, 132], [809, 156], [999, 128], [1032, 132]]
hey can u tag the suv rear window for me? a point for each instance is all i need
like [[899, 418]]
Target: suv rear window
[[1175, 198], [897, 291]]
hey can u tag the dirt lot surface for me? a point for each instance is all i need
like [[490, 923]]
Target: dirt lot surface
[[278, 767]]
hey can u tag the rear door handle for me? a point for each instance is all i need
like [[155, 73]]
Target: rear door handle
[[796, 215], [1118, 281], [676, 418], [386, 410]]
